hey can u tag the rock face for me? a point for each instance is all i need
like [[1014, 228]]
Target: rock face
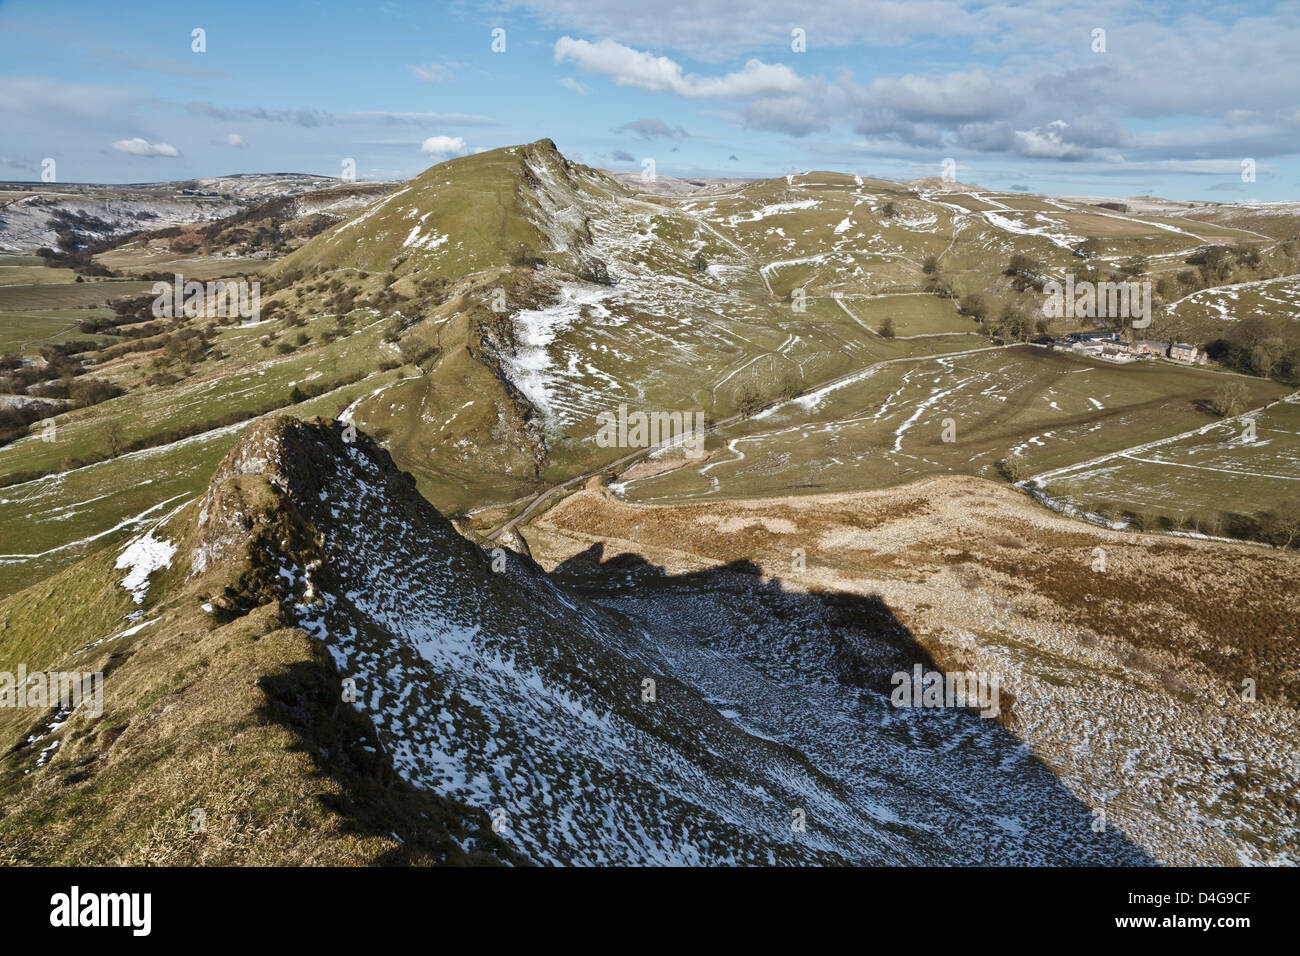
[[496, 688], [565, 722]]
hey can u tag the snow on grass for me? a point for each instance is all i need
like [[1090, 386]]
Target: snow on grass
[[774, 209], [143, 556], [1064, 240], [530, 367]]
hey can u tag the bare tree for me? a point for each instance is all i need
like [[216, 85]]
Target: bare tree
[[749, 397], [1281, 523], [1231, 398], [116, 438]]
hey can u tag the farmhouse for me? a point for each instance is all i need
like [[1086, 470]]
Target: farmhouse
[[1105, 350], [1074, 337], [1146, 348], [1110, 353], [1190, 354]]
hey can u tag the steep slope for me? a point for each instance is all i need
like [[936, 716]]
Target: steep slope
[[497, 687], [310, 567], [466, 215], [222, 739]]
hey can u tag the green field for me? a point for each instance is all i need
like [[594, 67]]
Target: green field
[[31, 270], [1218, 469], [53, 522], [1039, 409], [133, 260], [21, 331], [248, 380], [67, 295], [913, 314]]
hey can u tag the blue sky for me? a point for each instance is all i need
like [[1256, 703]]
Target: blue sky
[[1020, 96]]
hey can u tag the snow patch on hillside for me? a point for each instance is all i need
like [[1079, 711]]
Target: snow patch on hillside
[[530, 367], [143, 556]]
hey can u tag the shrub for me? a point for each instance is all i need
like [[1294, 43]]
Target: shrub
[[92, 391], [749, 398], [974, 306]]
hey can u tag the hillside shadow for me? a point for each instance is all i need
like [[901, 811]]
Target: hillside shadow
[[369, 797], [821, 660]]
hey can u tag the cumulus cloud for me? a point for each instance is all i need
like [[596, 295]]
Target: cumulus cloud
[[1229, 67], [1048, 142], [629, 67], [913, 108], [994, 137], [793, 115], [235, 140], [445, 146], [136, 146]]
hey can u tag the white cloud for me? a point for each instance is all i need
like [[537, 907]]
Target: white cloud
[[715, 30], [570, 83], [235, 140], [1232, 69], [137, 146], [445, 146], [629, 67], [651, 128], [1048, 142], [312, 118], [433, 72]]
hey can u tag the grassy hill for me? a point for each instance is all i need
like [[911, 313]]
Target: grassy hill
[[498, 717], [465, 215], [479, 318], [840, 336]]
